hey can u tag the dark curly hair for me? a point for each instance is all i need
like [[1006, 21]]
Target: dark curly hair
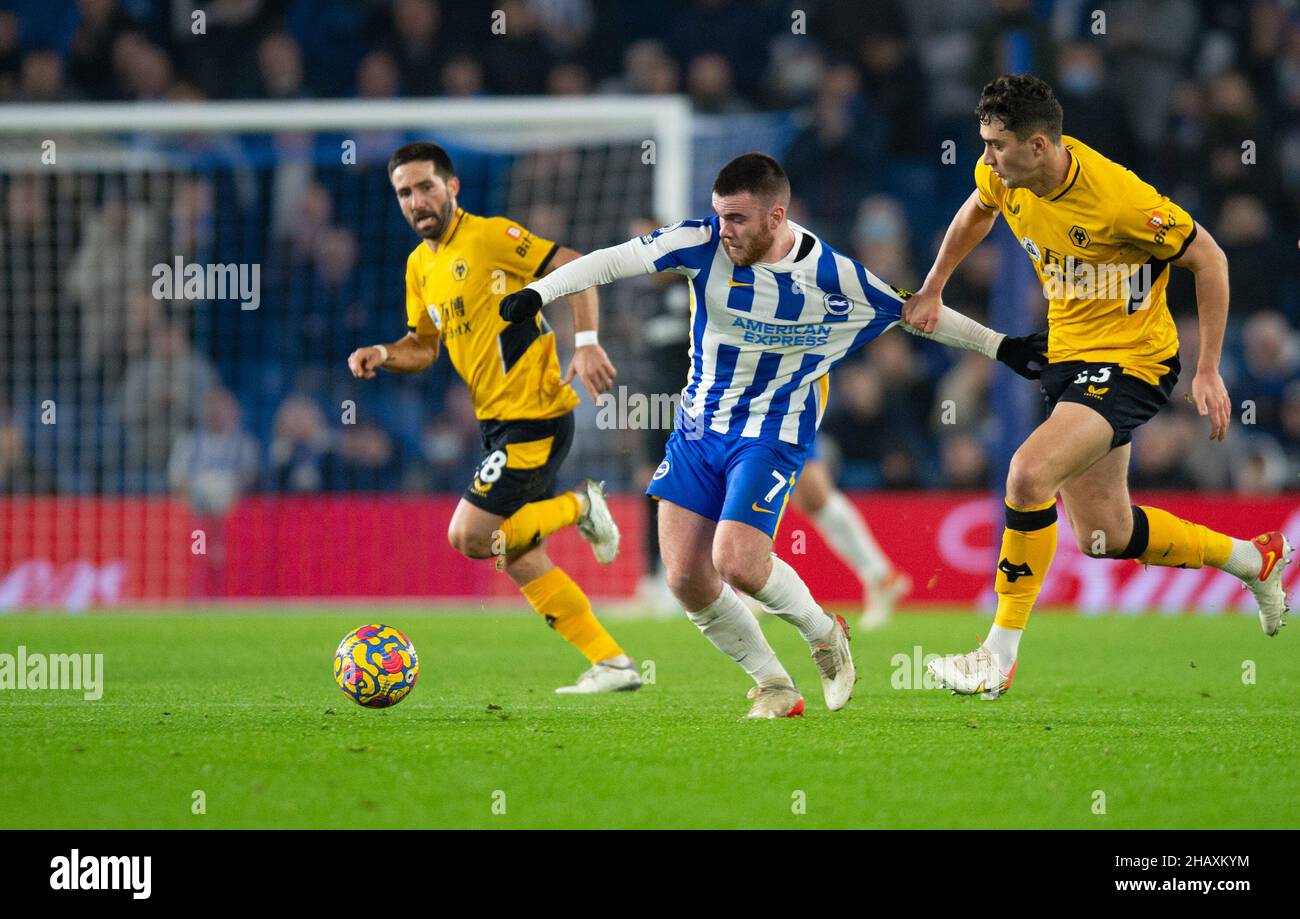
[[1023, 103]]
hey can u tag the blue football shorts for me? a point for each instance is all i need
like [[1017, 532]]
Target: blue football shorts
[[725, 477]]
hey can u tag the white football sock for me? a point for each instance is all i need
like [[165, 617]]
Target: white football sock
[[1244, 562], [734, 631], [848, 534], [620, 660], [786, 595], [1005, 643]]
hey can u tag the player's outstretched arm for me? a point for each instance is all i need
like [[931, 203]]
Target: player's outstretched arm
[[1210, 266], [591, 270], [411, 354], [1025, 354], [969, 226]]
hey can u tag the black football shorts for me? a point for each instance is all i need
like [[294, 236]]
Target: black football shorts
[[520, 462], [1124, 400]]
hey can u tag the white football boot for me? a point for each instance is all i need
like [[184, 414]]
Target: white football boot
[[606, 677], [597, 526], [775, 702], [1275, 554], [835, 665], [976, 673], [882, 596]]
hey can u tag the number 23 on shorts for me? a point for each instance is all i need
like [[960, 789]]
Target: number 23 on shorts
[[1101, 376]]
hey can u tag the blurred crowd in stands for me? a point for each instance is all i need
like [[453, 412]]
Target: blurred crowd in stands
[[875, 99]]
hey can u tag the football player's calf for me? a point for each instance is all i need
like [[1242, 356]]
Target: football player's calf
[[1259, 563]]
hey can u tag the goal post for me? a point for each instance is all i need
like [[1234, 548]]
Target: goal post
[[514, 124]]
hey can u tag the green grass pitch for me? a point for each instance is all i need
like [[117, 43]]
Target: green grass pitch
[[1152, 712]]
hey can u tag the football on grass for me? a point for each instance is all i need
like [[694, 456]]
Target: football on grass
[[376, 666]]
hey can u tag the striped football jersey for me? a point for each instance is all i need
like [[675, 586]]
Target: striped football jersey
[[764, 337]]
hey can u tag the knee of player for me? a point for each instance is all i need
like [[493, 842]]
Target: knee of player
[[741, 572], [693, 589], [470, 543], [679, 582], [1027, 483]]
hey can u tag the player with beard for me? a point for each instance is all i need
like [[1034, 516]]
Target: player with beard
[[455, 279], [773, 309]]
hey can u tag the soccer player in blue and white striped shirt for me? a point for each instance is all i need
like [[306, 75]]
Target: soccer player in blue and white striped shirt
[[773, 309]]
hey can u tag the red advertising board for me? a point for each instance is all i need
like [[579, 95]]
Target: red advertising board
[[80, 553]]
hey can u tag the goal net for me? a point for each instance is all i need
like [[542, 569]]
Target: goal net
[[180, 286]]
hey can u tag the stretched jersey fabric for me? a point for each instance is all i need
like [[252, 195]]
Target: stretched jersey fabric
[[1101, 244], [764, 337], [511, 369]]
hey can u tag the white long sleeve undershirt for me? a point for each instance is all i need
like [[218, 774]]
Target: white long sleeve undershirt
[[960, 331], [627, 260], [598, 267]]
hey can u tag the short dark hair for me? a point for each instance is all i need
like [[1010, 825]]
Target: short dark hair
[[756, 173], [422, 151], [1023, 103]]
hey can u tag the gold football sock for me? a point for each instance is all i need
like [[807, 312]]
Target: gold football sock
[[1028, 544], [1160, 538], [534, 522], [566, 609]]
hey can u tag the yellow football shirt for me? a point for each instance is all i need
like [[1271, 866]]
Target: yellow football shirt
[[1101, 244], [511, 369]]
